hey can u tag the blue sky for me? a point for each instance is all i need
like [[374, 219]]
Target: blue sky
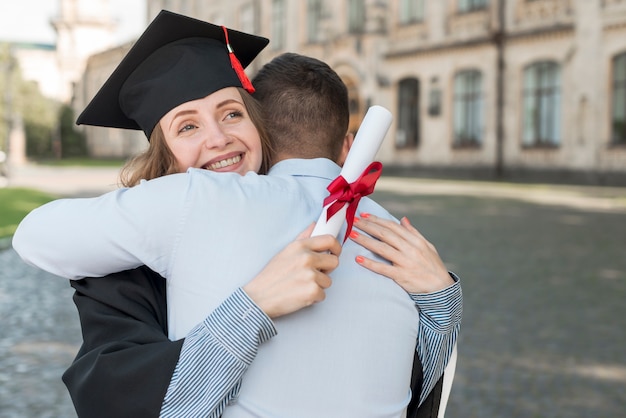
[[28, 20]]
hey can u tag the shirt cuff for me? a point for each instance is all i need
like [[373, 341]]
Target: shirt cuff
[[240, 326], [443, 309]]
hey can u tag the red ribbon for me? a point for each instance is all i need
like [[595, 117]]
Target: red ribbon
[[342, 193]]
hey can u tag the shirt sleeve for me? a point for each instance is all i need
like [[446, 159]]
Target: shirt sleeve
[[76, 238], [439, 325], [214, 357]]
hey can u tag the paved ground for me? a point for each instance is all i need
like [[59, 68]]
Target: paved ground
[[544, 280]]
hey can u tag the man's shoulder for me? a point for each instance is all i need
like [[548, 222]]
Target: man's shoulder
[[371, 206], [251, 187]]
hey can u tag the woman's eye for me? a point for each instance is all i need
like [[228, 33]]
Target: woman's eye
[[186, 128], [234, 114]]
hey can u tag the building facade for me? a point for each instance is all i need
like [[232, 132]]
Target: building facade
[[494, 85], [105, 142], [82, 28]]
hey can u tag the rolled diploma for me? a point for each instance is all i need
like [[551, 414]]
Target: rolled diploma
[[366, 144]]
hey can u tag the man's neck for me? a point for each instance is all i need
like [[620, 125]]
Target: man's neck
[[281, 156]]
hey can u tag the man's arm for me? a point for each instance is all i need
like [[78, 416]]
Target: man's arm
[[120, 230], [125, 364]]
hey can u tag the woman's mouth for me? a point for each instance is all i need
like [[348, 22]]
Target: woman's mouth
[[223, 163]]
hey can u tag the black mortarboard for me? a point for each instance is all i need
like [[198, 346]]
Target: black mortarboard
[[175, 60]]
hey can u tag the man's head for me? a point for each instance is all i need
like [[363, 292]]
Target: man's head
[[306, 106]]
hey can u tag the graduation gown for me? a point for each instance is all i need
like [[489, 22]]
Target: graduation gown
[[126, 361]]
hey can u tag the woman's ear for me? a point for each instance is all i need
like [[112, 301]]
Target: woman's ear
[[348, 140]]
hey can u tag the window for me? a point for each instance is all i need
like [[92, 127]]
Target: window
[[471, 5], [618, 122], [411, 11], [468, 108], [542, 105], [278, 24], [356, 16], [314, 16], [407, 135]]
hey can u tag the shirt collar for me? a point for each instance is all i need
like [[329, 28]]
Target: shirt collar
[[316, 167]]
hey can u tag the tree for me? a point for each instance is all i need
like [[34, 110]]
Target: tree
[[23, 98], [73, 142]]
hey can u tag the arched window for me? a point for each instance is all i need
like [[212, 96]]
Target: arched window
[[407, 135], [354, 102], [468, 108], [618, 120], [542, 105]]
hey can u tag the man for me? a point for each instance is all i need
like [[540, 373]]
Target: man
[[100, 355]]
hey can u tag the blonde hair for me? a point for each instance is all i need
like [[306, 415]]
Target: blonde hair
[[158, 160]]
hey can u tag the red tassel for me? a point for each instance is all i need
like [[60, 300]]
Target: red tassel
[[234, 62]]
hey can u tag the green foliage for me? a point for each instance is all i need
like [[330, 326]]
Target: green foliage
[[83, 162], [73, 142], [23, 101], [17, 203], [39, 114]]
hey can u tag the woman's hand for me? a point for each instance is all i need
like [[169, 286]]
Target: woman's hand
[[297, 276], [415, 263]]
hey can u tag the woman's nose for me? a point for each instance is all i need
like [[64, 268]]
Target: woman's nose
[[217, 138]]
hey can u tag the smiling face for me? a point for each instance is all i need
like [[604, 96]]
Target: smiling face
[[214, 133]]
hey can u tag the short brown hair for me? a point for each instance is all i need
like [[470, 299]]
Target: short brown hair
[[305, 104]]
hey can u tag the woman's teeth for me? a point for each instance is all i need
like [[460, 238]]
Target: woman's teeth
[[224, 163]]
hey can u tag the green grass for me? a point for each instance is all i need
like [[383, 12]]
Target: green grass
[[15, 203], [83, 162]]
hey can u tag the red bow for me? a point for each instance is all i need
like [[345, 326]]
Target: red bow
[[342, 193]]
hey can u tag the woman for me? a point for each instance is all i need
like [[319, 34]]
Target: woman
[[178, 85]]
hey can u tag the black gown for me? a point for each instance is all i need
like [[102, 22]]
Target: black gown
[[126, 361]]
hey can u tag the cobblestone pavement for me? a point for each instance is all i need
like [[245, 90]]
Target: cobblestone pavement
[[544, 281], [40, 336], [544, 286]]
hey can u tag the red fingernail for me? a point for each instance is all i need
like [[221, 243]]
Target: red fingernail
[[365, 215], [356, 219], [360, 259], [353, 234]]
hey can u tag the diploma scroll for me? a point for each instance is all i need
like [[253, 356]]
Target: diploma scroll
[[366, 144]]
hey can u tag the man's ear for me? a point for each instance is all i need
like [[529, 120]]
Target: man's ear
[[348, 140]]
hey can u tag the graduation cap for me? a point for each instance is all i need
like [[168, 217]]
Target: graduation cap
[[177, 59]]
